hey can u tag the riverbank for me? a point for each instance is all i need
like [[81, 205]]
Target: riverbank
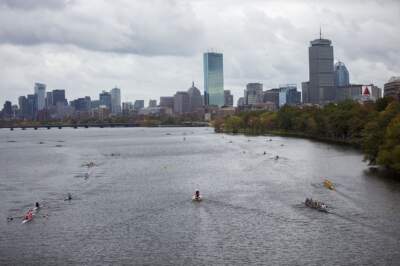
[[374, 128]]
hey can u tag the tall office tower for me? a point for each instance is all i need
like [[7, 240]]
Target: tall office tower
[[181, 102], [23, 106], [105, 99], [58, 97], [341, 75], [253, 93], [49, 99], [195, 98], [228, 98], [321, 86], [32, 106], [213, 79], [152, 103], [115, 101], [40, 91]]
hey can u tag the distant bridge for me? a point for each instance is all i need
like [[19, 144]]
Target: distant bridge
[[100, 125]]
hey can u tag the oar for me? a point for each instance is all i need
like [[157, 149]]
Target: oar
[[13, 217]]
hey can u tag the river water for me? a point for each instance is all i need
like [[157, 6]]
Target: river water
[[134, 205]]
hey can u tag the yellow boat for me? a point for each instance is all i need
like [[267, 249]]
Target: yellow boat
[[329, 184]]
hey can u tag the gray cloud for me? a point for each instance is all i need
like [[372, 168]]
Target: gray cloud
[[32, 4], [135, 27]]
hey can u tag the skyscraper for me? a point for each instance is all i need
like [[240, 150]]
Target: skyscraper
[[213, 79], [40, 91], [341, 75], [321, 87], [115, 101]]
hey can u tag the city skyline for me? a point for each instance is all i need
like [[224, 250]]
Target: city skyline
[[152, 63]]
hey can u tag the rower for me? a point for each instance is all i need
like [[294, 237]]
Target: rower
[[69, 196], [37, 205], [197, 194]]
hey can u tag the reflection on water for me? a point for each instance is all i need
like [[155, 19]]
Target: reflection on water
[[132, 203]]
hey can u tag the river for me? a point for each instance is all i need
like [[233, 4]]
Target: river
[[133, 206]]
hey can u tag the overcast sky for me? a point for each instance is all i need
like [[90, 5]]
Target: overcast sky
[[152, 48]]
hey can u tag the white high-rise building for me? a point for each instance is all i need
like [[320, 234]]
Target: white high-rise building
[[40, 92], [115, 101]]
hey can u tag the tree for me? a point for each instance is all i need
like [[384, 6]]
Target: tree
[[389, 152]]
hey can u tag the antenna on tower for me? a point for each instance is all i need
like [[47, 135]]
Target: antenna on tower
[[320, 32]]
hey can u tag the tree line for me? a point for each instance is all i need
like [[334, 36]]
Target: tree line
[[373, 127]]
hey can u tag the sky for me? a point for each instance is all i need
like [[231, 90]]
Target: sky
[[153, 48]]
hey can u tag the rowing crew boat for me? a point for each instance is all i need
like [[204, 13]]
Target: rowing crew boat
[[28, 217]]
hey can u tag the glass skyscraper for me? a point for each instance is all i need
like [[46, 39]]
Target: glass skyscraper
[[341, 75], [213, 79]]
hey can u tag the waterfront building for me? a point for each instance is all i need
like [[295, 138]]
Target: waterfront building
[[127, 107], [392, 88], [358, 92], [40, 92], [32, 106], [195, 98], [49, 99], [82, 104], [94, 104], [7, 110], [58, 97], [139, 104], [167, 101], [305, 92], [321, 84], [288, 94], [228, 98], [115, 101], [253, 93], [23, 107], [181, 102], [240, 101], [152, 103], [341, 75], [105, 99], [272, 96], [213, 79]]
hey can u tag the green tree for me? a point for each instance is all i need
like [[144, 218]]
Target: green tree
[[389, 152]]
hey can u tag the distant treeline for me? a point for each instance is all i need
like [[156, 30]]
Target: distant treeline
[[373, 127], [142, 121]]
